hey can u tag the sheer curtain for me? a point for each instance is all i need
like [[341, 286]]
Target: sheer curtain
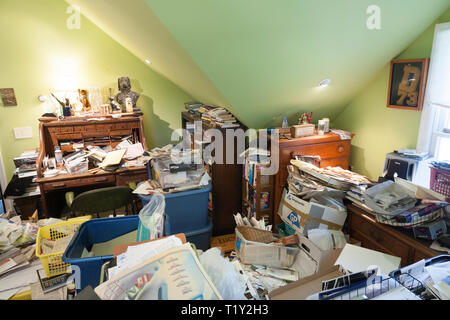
[[433, 136]]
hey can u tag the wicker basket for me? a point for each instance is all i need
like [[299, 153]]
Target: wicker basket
[[256, 235]]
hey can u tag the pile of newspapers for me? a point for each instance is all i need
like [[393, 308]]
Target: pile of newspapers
[[327, 186]]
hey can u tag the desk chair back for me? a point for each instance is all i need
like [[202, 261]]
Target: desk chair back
[[102, 200]]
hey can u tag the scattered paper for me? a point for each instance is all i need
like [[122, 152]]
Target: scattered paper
[[113, 158], [134, 151], [12, 283]]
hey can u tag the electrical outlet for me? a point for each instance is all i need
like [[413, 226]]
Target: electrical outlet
[[23, 133]]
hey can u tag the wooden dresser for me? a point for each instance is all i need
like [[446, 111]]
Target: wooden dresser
[[363, 226], [332, 150], [88, 131]]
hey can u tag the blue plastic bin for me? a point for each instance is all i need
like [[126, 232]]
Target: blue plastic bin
[[187, 210], [90, 233], [200, 237]]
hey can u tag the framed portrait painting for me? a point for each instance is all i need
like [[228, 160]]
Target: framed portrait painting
[[407, 83]]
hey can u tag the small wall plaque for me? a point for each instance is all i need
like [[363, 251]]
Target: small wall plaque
[[8, 97]]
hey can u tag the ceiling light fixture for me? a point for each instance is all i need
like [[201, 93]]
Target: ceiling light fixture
[[324, 83]]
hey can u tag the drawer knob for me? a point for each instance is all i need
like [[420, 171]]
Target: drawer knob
[[341, 148]]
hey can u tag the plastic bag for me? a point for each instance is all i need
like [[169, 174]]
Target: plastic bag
[[151, 219], [223, 275]]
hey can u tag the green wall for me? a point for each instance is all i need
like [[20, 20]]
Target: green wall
[[38, 51], [378, 129]]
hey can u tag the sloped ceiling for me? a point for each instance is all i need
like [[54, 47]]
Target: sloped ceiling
[[264, 58]]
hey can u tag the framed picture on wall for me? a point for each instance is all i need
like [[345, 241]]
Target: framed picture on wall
[[407, 84]]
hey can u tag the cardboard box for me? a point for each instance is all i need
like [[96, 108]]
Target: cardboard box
[[303, 288], [302, 215], [253, 247], [321, 259], [225, 242]]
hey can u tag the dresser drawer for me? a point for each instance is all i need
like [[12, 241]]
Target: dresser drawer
[[324, 150], [335, 162], [79, 182], [383, 240]]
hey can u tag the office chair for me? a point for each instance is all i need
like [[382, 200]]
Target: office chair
[[103, 200]]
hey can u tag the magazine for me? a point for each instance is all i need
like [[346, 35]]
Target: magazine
[[175, 274]]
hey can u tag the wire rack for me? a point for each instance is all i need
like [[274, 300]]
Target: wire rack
[[368, 290]]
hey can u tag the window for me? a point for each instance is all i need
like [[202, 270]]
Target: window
[[434, 132]]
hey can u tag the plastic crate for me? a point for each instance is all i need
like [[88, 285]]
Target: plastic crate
[[53, 263], [187, 210], [284, 229], [90, 233], [440, 181], [201, 238]]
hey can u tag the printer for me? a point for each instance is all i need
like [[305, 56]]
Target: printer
[[403, 166]]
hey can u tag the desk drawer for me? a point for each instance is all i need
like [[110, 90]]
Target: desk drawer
[[123, 179], [78, 182], [386, 242]]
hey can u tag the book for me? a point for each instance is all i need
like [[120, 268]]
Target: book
[[49, 284], [264, 200], [175, 274]]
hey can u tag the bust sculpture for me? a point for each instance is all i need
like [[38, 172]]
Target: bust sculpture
[[125, 92]]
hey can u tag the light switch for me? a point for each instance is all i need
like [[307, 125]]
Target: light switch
[[23, 133]]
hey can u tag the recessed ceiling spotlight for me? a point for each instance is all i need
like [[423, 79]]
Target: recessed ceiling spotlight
[[147, 61], [324, 83]]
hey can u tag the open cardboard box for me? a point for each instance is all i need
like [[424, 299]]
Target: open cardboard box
[[302, 215], [322, 259]]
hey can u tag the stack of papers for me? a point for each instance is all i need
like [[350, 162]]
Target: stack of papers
[[335, 177], [19, 281], [141, 252], [11, 261]]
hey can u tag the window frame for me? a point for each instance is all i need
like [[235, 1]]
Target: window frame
[[431, 122]]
